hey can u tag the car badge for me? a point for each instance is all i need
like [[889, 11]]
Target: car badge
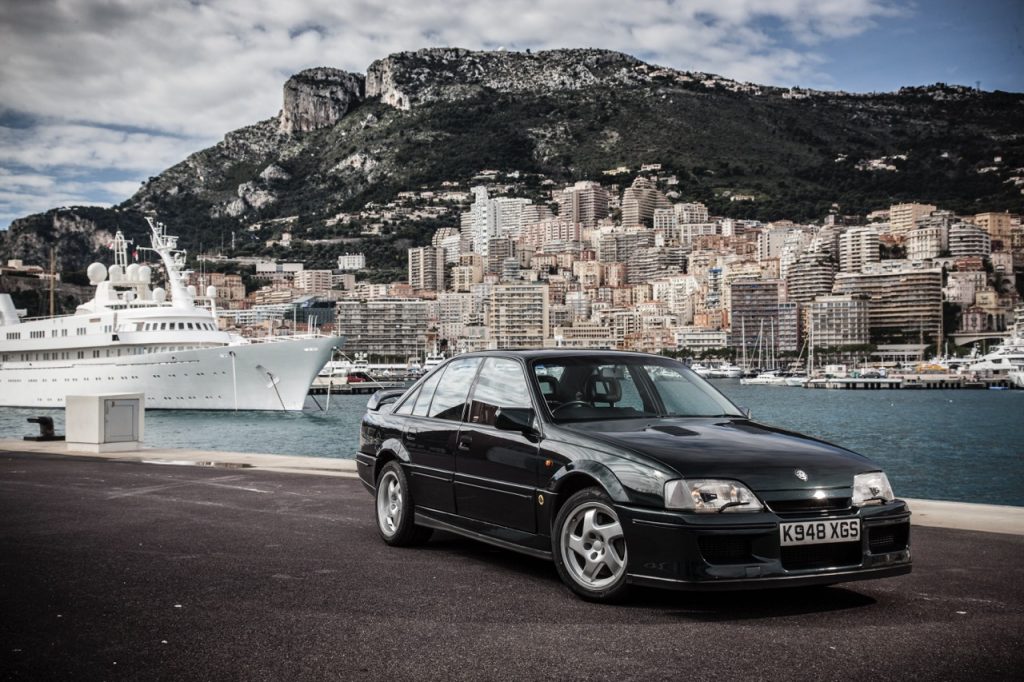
[[801, 474]]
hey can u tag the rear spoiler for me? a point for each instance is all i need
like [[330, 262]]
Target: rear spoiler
[[383, 398]]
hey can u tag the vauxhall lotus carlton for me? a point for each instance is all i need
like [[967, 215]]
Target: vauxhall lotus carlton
[[623, 468]]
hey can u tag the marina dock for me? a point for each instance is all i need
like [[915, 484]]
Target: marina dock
[[909, 382], [322, 386]]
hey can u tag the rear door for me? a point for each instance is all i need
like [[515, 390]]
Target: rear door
[[432, 427], [496, 471]]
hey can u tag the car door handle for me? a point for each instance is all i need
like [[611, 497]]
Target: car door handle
[[410, 436], [464, 444]]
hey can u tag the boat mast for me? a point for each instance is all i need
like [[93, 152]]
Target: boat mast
[[53, 281], [743, 333], [173, 259]]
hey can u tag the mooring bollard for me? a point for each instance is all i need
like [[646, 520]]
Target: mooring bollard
[[45, 429]]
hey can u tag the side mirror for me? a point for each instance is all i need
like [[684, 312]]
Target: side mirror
[[514, 419], [383, 398]]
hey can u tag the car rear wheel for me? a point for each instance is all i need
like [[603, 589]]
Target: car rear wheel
[[395, 509], [590, 547]]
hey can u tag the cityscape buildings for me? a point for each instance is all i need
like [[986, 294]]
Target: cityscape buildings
[[644, 267]]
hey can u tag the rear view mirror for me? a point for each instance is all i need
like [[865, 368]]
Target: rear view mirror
[[514, 419]]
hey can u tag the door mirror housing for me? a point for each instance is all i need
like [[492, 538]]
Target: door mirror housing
[[515, 419]]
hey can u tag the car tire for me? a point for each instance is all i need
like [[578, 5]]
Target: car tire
[[394, 509], [589, 547]]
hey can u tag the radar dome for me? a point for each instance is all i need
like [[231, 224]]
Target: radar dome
[[145, 273], [131, 273], [97, 272], [211, 291], [116, 273], [159, 295], [192, 290]]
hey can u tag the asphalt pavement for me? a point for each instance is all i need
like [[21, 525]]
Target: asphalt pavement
[[124, 570]]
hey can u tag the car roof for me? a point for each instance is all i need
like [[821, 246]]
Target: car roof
[[545, 353]]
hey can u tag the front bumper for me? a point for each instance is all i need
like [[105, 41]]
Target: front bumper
[[736, 551]]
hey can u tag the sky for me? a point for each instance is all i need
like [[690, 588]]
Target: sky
[[98, 95]]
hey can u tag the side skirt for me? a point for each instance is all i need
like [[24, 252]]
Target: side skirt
[[428, 521]]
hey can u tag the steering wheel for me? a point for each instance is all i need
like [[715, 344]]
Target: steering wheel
[[571, 403]]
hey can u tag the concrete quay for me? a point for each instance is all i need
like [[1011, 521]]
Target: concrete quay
[[988, 518], [115, 569]]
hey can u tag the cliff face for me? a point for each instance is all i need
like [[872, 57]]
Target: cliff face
[[318, 98], [410, 79]]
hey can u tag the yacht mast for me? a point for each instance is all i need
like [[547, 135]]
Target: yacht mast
[[173, 259]]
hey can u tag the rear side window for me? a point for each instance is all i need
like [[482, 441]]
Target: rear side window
[[450, 396], [501, 384], [426, 393], [406, 407]]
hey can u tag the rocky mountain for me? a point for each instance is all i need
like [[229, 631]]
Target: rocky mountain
[[343, 141]]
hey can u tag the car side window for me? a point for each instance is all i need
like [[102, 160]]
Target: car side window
[[450, 396], [501, 384], [426, 394], [406, 407]]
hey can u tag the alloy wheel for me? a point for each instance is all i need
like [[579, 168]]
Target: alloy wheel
[[389, 503], [593, 546]]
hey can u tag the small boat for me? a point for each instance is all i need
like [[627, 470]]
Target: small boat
[[770, 378]]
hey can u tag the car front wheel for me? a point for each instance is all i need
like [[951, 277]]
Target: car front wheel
[[394, 509], [590, 547]]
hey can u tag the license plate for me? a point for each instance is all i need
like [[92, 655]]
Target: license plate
[[819, 532]]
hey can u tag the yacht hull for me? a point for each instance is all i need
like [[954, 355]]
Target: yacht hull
[[258, 376]]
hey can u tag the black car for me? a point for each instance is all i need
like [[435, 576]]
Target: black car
[[624, 468]]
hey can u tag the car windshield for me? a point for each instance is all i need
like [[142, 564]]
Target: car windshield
[[600, 388]]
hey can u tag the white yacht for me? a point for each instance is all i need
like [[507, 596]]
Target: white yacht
[[769, 378], [726, 370], [131, 339], [1005, 358]]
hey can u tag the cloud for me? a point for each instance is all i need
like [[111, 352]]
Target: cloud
[[135, 85]]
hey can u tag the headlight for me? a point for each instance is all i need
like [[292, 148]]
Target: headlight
[[871, 488], [710, 495]]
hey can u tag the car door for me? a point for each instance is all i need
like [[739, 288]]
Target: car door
[[496, 470], [433, 416]]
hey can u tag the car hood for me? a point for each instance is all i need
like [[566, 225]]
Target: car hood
[[762, 457]]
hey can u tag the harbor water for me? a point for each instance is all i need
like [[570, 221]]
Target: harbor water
[[941, 444]]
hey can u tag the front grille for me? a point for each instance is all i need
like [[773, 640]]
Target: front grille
[[891, 538], [810, 505], [803, 557], [725, 549]]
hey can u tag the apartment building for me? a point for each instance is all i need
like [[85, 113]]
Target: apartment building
[[426, 268], [754, 310], [836, 321], [903, 217], [998, 226], [969, 240], [584, 203], [314, 281], [905, 297], [639, 201], [811, 276], [351, 261], [384, 328], [517, 315], [691, 213], [857, 247]]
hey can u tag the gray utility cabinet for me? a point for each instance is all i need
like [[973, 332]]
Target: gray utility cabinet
[[106, 422]]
